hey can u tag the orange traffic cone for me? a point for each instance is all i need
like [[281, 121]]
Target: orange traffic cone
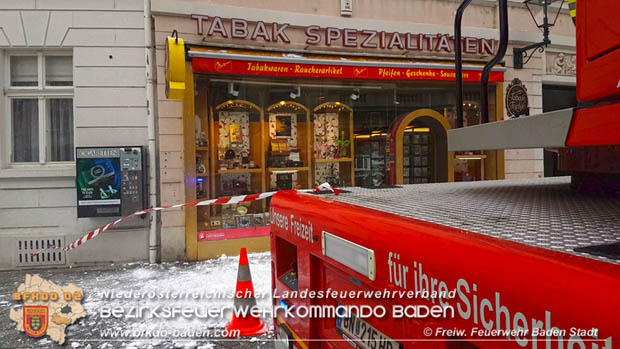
[[247, 325]]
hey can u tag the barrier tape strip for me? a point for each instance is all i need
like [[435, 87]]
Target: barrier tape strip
[[211, 202]]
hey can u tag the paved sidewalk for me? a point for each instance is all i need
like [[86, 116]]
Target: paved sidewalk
[[155, 283]]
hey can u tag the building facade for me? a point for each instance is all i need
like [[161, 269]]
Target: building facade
[[73, 75], [320, 80], [278, 95]]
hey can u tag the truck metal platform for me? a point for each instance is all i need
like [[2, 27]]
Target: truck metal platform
[[543, 213], [547, 130]]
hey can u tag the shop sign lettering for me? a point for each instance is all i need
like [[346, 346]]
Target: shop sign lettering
[[236, 28], [243, 67]]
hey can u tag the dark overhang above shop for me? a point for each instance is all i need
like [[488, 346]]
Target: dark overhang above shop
[[547, 130]]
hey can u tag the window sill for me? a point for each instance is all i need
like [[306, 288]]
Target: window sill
[[42, 171]]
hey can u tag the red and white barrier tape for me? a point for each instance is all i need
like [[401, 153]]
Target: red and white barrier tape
[[220, 201]]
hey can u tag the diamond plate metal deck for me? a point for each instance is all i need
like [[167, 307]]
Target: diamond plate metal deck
[[539, 212]]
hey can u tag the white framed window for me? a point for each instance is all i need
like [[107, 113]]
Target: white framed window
[[39, 93]]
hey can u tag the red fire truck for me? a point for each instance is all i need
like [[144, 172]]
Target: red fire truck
[[514, 263]]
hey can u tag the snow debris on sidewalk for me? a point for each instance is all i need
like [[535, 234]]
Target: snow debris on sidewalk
[[211, 277], [156, 286]]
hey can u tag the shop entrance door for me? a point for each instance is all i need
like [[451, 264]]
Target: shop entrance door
[[418, 155], [418, 149]]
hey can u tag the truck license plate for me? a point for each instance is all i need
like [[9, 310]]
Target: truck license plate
[[364, 334]]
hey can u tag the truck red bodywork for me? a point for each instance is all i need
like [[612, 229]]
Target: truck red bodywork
[[513, 282], [598, 49], [572, 291]]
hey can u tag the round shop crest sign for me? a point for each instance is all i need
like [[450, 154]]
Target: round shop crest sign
[[516, 99]]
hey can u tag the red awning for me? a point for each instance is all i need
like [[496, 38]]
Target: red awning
[[297, 66]]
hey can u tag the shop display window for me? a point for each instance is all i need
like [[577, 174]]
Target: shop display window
[[238, 159], [370, 149], [238, 133], [418, 156], [201, 131], [258, 135], [333, 144], [289, 146], [469, 166]]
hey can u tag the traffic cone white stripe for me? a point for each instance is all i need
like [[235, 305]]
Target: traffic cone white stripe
[[248, 325]]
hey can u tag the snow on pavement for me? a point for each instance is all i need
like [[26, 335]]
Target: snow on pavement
[[153, 282]]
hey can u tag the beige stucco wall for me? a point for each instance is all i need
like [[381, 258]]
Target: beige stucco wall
[[420, 16], [171, 164]]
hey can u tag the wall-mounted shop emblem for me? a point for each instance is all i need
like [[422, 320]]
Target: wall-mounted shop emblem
[[516, 99]]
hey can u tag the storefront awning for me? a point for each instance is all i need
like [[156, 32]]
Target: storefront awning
[[326, 67]]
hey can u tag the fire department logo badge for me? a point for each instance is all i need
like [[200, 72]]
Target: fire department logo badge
[[35, 320], [48, 308]]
